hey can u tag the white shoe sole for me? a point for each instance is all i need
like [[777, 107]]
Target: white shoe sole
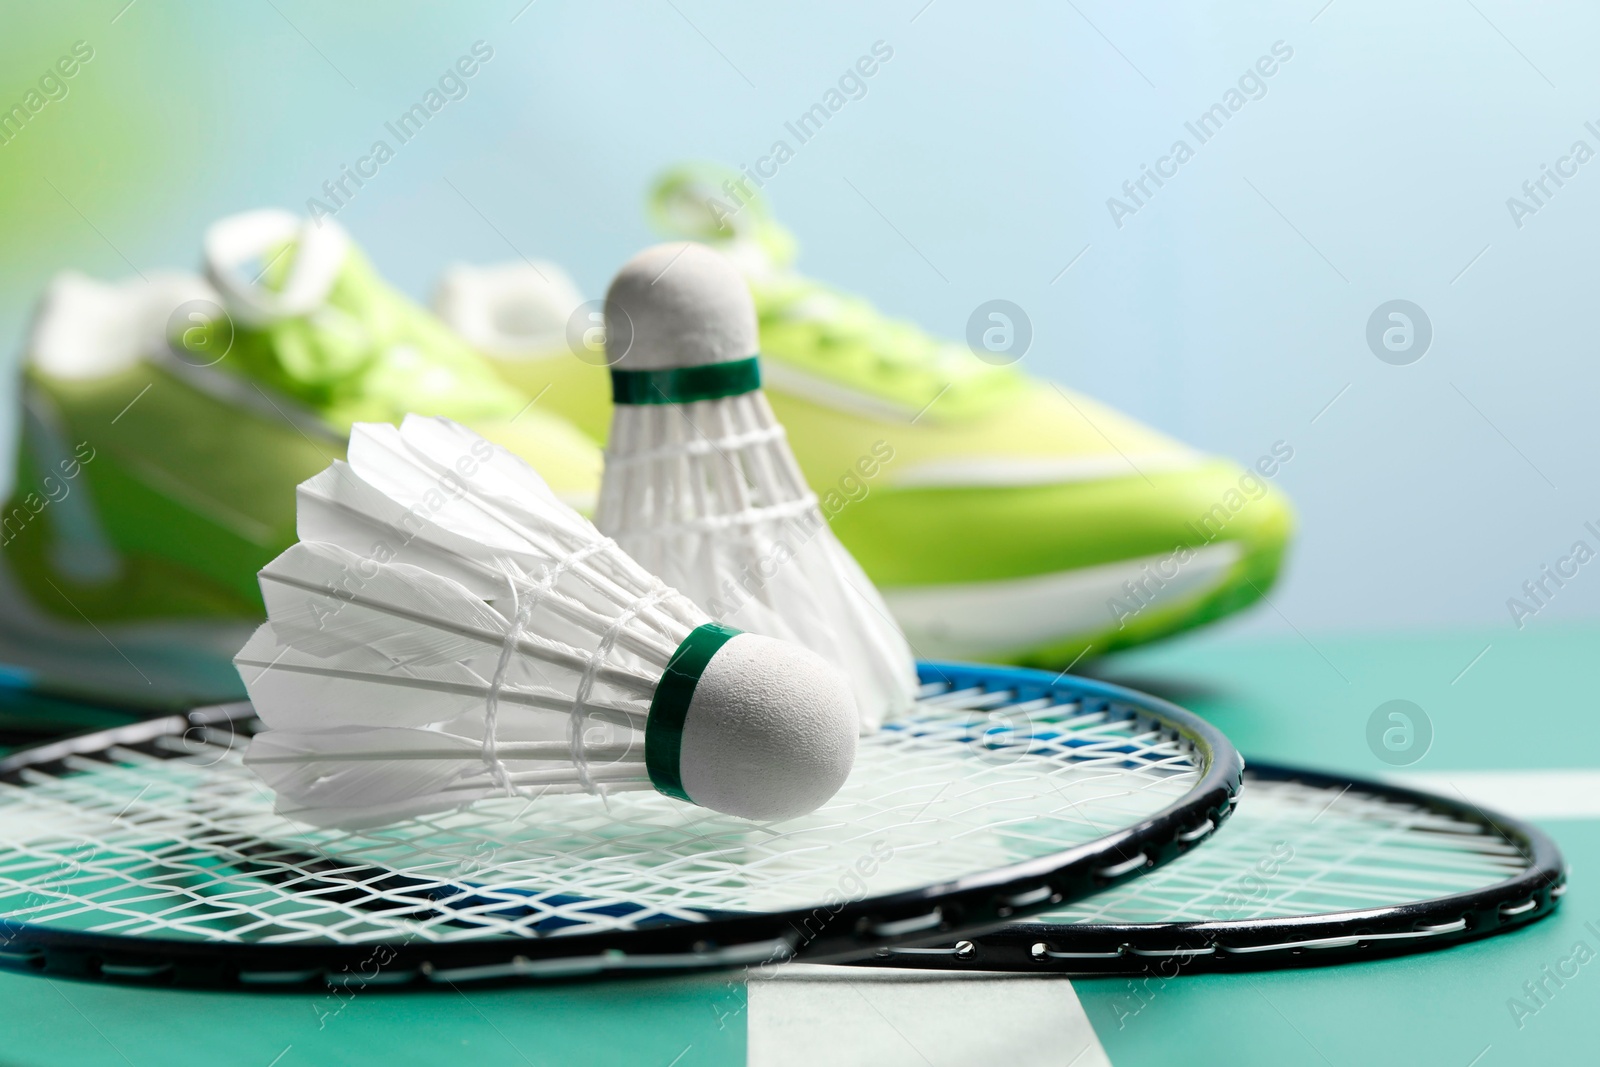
[[972, 620]]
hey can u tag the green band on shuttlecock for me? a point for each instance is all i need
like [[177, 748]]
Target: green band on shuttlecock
[[663, 729], [683, 385]]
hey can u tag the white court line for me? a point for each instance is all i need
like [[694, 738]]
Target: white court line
[[1543, 794], [808, 1016]]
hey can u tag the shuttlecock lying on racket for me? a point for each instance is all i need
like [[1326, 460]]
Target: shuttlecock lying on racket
[[447, 630], [701, 487]]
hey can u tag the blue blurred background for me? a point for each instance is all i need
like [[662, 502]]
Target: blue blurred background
[[1230, 310]]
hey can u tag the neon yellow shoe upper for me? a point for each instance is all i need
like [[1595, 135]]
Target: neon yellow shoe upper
[[1014, 519], [318, 325], [166, 424]]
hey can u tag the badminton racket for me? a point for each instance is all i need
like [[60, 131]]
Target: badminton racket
[[150, 853], [1314, 868]]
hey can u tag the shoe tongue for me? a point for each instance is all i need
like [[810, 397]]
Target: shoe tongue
[[271, 265], [718, 207]]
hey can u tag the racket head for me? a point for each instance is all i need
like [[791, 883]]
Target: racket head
[[1240, 904], [150, 854]]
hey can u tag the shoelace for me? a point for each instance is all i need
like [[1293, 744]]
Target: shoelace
[[886, 348], [366, 347]]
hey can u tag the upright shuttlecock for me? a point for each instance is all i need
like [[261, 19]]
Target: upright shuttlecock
[[700, 485], [447, 630]]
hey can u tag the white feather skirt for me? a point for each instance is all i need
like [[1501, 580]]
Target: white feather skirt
[[708, 496]]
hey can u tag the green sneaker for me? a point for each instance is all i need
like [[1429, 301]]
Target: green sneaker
[[165, 425], [1003, 517]]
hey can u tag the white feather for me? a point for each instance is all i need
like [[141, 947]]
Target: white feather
[[421, 579], [363, 775], [708, 495]]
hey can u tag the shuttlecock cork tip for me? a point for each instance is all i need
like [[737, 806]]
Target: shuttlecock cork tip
[[768, 734], [678, 305]]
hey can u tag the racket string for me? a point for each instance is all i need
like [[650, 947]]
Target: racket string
[[188, 845], [1366, 851]]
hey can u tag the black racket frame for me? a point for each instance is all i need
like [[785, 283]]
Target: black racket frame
[[1169, 949]]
